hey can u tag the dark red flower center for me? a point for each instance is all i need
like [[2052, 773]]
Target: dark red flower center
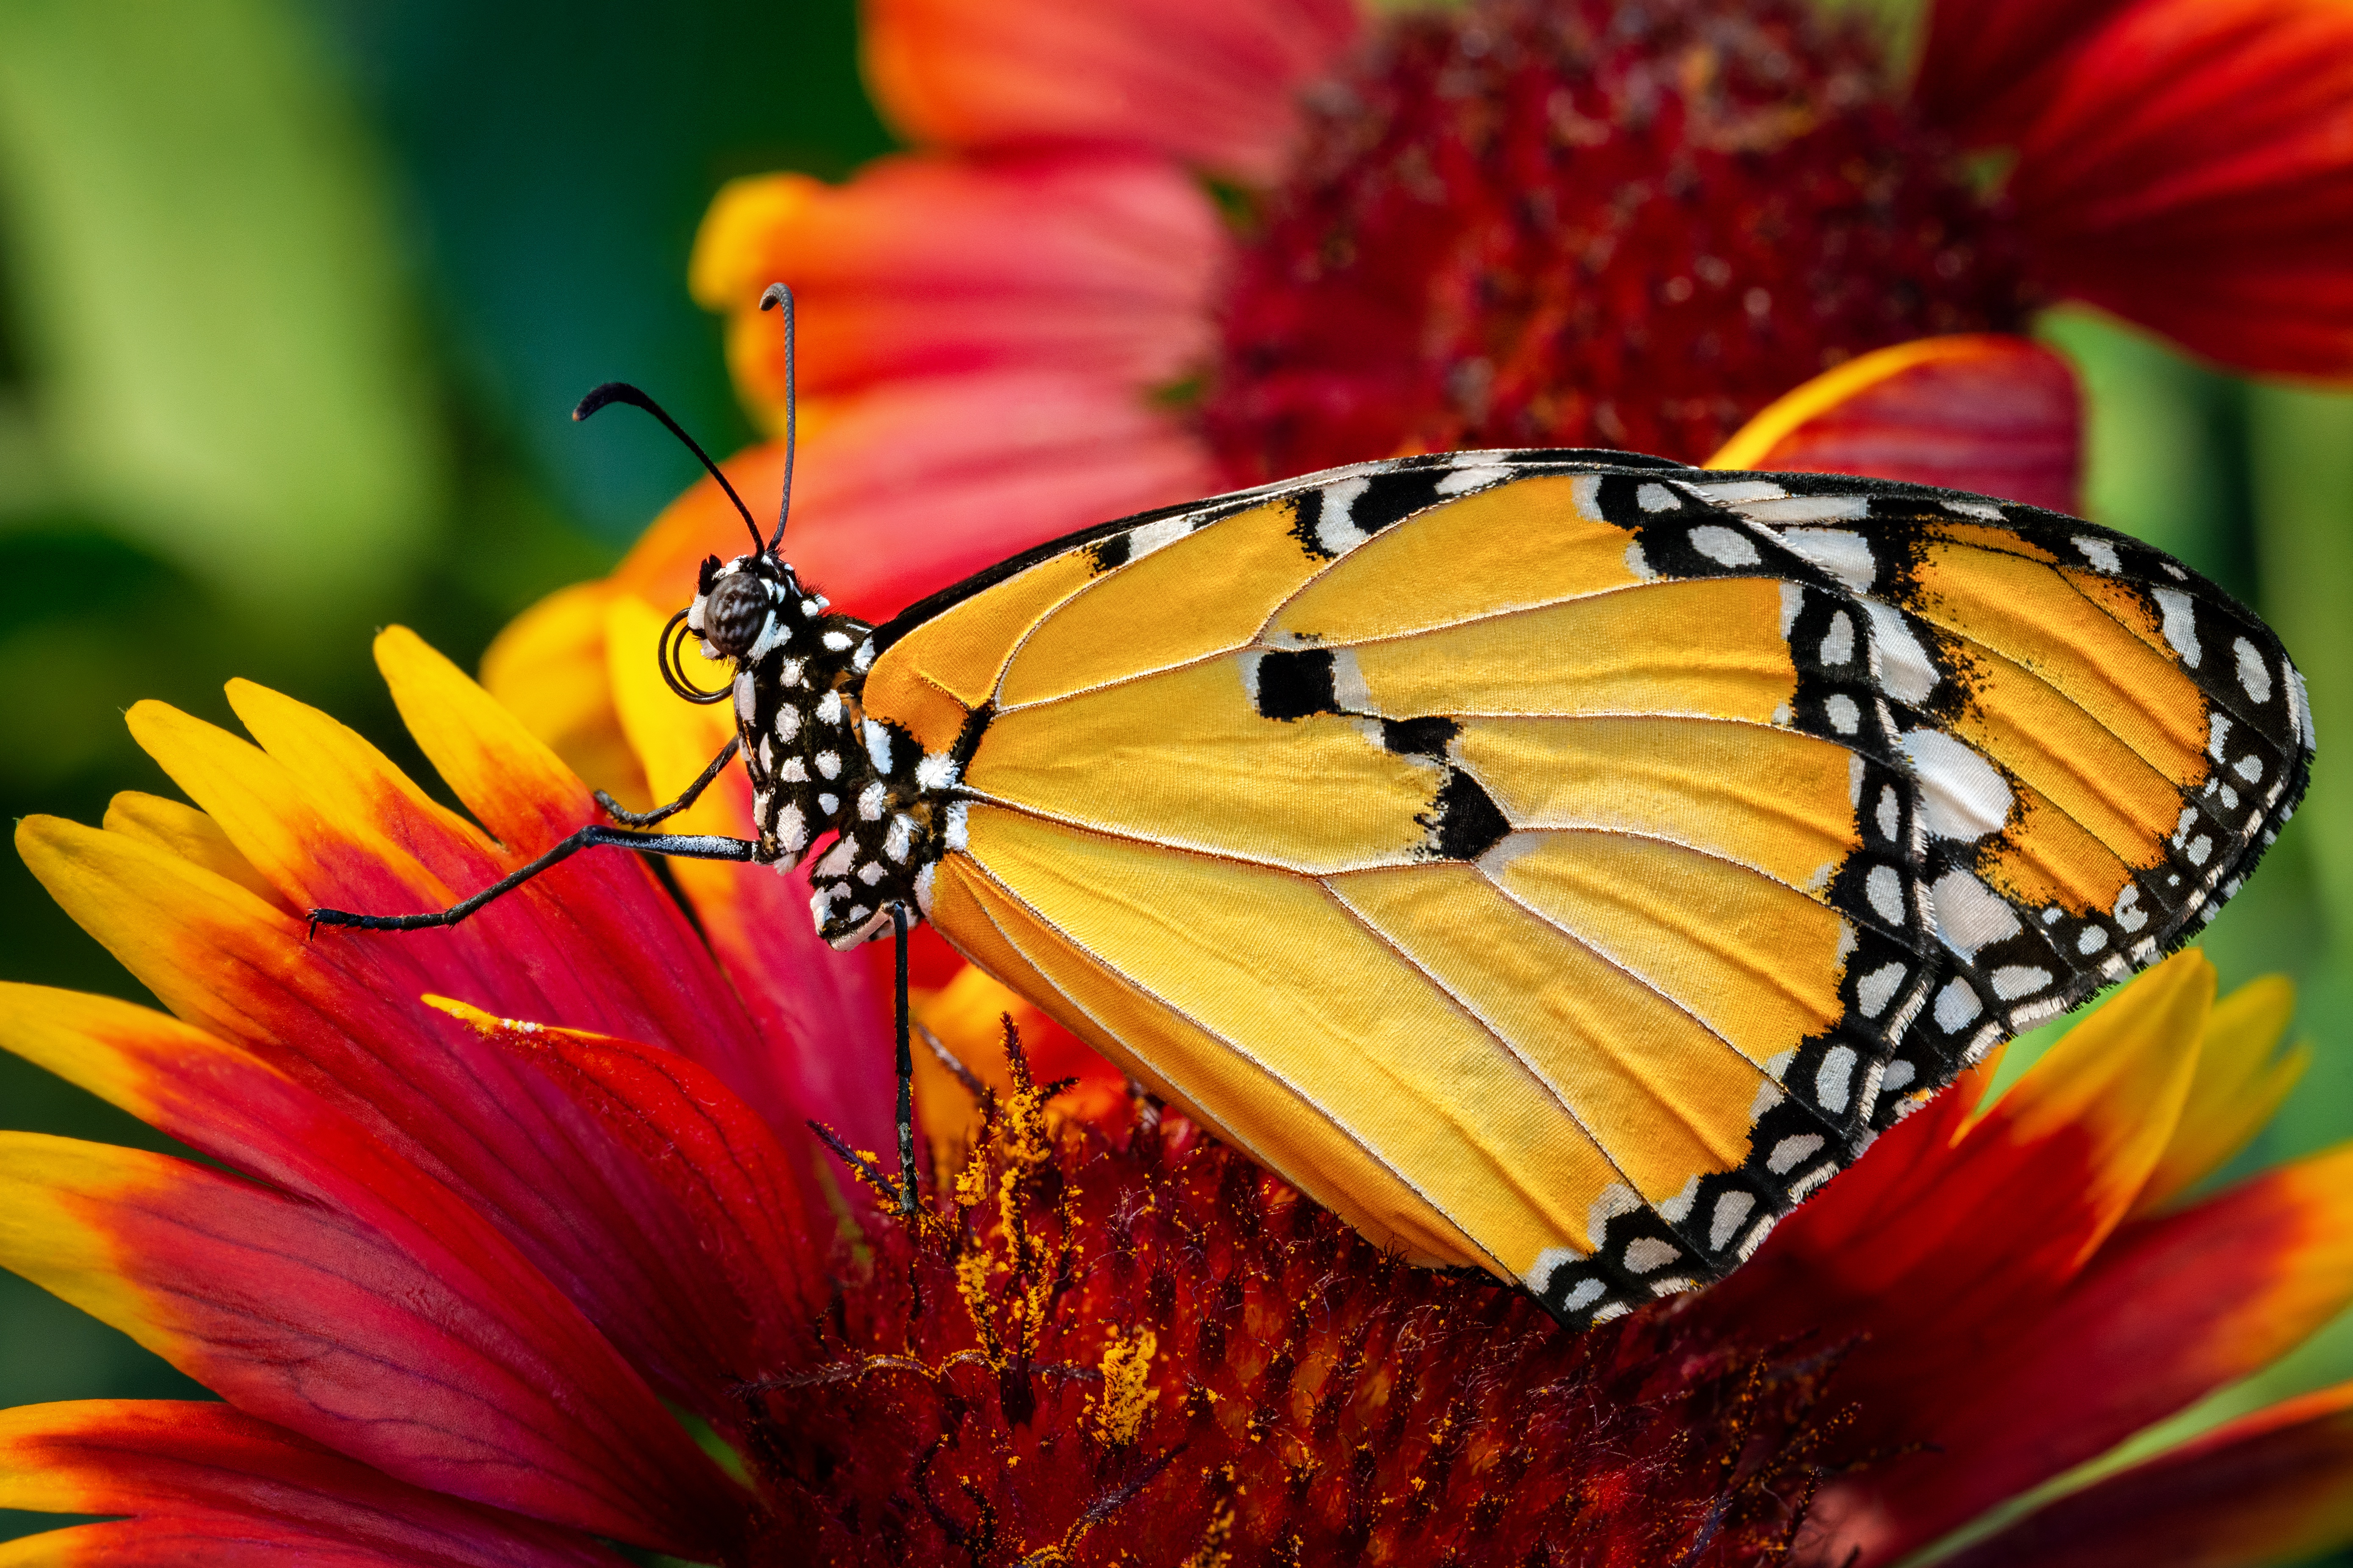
[[1535, 223]]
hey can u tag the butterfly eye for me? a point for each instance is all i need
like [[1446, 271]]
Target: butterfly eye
[[735, 614]]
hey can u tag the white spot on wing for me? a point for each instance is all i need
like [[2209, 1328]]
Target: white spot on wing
[[2100, 554], [1142, 540], [1335, 530], [1808, 509], [1471, 476], [1838, 643], [1962, 795], [1656, 497], [1884, 887], [1905, 671], [1793, 1150], [1844, 716], [1835, 1079], [1843, 554], [1731, 1209], [2181, 623], [1727, 493], [2254, 675], [2012, 981], [1875, 990], [1646, 1253], [1970, 916], [1956, 1006], [1724, 546]]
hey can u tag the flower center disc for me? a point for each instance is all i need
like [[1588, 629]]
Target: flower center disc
[[1541, 223]]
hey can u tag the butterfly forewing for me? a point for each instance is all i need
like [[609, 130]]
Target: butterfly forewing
[[1561, 866]]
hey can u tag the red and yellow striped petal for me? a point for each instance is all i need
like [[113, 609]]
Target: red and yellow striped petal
[[1211, 81], [341, 1014], [316, 1322], [2239, 1085], [200, 1473], [1090, 263], [1998, 415], [712, 1151], [2190, 168], [2276, 1487]]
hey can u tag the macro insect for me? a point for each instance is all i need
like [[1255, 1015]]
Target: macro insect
[[1559, 863]]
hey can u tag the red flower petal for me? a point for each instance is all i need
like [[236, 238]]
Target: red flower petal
[[341, 1014], [257, 1482], [1984, 59], [2192, 170], [2170, 1311], [910, 486], [709, 1149], [402, 1356], [1998, 415], [1097, 264], [2277, 1487], [1211, 81]]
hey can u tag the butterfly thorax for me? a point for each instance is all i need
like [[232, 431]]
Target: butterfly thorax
[[818, 765]]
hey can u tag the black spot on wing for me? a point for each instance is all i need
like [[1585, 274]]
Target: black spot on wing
[[1463, 821], [1296, 684], [1418, 737], [1106, 554], [1395, 496]]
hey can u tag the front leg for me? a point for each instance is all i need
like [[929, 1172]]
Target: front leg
[[627, 818], [685, 845]]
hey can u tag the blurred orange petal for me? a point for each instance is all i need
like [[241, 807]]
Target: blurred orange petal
[[1985, 412], [1209, 81], [2238, 1085], [2274, 1487], [1095, 263], [911, 487], [2192, 170], [534, 668]]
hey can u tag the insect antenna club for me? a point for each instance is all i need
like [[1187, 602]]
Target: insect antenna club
[[1556, 862]]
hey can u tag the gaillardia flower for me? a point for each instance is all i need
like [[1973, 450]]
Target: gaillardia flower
[[513, 1243]]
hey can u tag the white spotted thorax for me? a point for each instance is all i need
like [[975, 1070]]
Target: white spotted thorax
[[817, 763]]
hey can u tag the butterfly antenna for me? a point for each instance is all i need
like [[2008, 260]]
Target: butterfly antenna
[[622, 392], [778, 294]]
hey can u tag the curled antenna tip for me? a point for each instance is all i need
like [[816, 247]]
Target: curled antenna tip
[[612, 391], [776, 294]]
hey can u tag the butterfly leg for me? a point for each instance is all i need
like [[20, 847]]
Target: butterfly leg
[[687, 846], [906, 1064], [614, 809]]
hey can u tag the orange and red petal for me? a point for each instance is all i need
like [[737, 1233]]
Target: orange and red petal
[[2170, 1310], [204, 1473], [313, 1320], [2191, 169], [1212, 82], [2242, 1079], [709, 1149], [1985, 412], [908, 488], [1095, 263], [2274, 1487], [342, 1014]]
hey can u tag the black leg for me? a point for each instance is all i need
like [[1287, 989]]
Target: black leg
[[614, 809], [687, 846], [906, 1073]]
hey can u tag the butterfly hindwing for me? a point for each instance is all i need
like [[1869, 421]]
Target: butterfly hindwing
[[1560, 863]]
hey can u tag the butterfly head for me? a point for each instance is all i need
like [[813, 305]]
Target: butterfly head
[[750, 606]]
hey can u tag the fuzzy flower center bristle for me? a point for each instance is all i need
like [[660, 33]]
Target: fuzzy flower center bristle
[[1527, 223]]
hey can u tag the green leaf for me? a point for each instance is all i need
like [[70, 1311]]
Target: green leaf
[[210, 299]]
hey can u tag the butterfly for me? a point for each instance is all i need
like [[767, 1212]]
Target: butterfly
[[1557, 863]]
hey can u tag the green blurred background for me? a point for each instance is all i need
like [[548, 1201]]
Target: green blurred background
[[295, 296]]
